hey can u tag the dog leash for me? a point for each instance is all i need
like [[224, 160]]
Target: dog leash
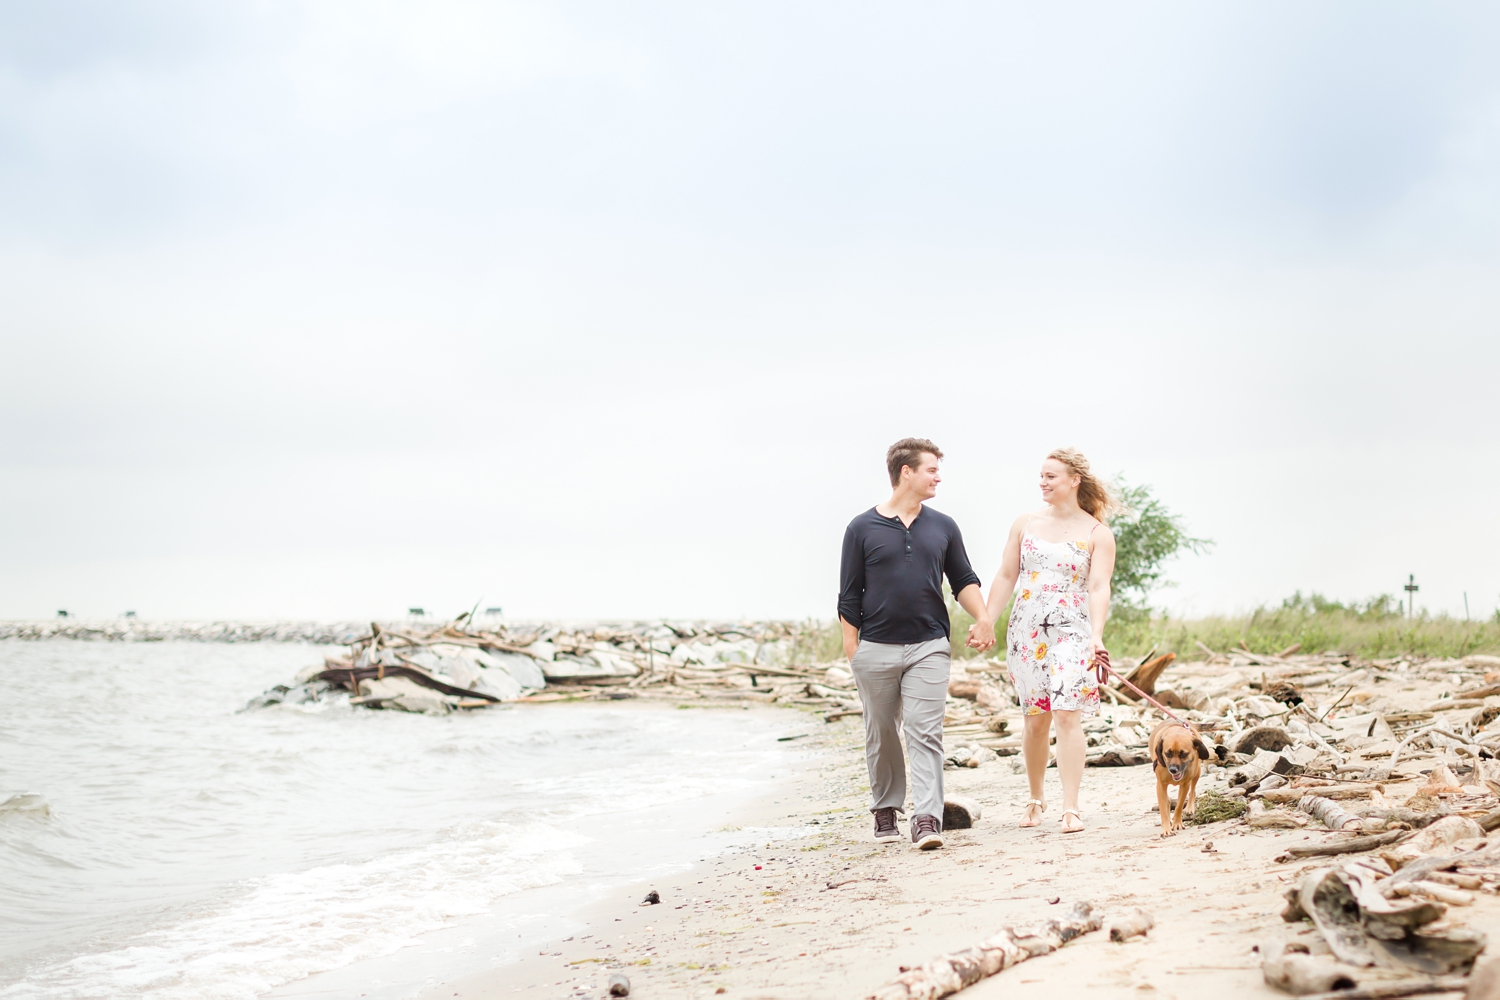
[[1101, 661]]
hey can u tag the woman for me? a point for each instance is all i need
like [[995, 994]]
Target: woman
[[1063, 556]]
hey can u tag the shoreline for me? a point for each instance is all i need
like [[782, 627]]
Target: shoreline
[[625, 852], [835, 914]]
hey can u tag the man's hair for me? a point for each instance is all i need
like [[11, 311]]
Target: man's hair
[[908, 452]]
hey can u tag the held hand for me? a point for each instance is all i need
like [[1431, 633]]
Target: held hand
[[981, 636]]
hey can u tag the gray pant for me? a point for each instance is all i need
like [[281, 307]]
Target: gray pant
[[907, 683]]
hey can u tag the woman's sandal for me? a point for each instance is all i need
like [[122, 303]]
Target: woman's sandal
[[1041, 808], [1076, 815]]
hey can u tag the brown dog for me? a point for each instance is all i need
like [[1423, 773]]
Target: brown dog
[[1176, 752]]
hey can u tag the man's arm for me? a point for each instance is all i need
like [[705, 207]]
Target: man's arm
[[982, 632], [851, 589], [965, 584]]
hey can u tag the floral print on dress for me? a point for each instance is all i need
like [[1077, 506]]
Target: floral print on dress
[[1050, 643]]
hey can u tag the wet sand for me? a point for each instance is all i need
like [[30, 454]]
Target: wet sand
[[833, 914]]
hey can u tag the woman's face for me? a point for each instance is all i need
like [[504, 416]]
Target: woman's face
[[1058, 484]]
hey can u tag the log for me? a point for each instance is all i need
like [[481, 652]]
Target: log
[[1404, 988], [1130, 923], [947, 974], [1328, 812], [1289, 968], [1490, 820], [1352, 846], [1479, 692], [351, 676], [960, 812], [1350, 791], [1441, 893]]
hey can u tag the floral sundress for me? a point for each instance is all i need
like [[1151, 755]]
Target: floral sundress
[[1051, 649]]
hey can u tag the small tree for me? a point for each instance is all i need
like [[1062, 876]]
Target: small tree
[[1146, 536]]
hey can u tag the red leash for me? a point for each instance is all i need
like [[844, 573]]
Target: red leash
[[1101, 662]]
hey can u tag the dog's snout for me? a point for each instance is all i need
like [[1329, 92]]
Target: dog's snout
[[1176, 770]]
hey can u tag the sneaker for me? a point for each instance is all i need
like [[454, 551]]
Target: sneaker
[[924, 832], [885, 824]]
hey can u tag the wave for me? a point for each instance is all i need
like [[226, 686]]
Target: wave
[[272, 930]]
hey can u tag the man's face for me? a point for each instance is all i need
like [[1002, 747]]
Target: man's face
[[923, 480]]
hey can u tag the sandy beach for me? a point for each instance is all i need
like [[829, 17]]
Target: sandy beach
[[834, 914]]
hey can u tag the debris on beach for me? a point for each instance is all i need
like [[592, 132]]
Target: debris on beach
[[950, 973], [1387, 765], [440, 669]]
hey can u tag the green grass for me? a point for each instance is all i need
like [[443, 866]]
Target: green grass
[[1272, 631], [1373, 629]]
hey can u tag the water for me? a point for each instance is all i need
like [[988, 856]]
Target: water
[[172, 848]]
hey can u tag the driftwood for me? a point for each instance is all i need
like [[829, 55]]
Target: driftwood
[[950, 973], [1146, 675], [1288, 967], [1364, 927], [1130, 923], [1404, 988], [1348, 791], [1327, 812], [1352, 846], [1438, 891], [351, 676], [1260, 818]]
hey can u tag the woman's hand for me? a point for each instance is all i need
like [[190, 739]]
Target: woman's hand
[[1101, 661], [981, 636]]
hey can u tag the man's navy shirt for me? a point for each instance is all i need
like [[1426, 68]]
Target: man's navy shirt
[[891, 580]]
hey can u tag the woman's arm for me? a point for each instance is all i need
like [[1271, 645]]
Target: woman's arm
[[1010, 570], [1101, 568]]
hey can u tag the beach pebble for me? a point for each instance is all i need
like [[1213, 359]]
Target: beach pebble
[[651, 899]]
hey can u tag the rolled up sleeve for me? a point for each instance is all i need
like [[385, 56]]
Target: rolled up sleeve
[[956, 563], [852, 579]]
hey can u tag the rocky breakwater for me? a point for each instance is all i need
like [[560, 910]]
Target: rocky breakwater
[[454, 667], [140, 630]]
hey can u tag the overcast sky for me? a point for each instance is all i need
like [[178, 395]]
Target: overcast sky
[[611, 310]]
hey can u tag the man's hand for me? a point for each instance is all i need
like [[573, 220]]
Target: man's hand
[[982, 635], [851, 639]]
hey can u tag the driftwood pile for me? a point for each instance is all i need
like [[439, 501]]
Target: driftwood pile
[[1394, 759], [440, 669]]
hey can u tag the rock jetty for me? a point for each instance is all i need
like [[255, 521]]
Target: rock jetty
[[140, 630]]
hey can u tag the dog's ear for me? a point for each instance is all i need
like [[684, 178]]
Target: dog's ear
[[1202, 749], [1157, 757]]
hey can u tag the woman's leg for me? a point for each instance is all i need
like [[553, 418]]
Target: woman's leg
[[1071, 750], [1036, 736]]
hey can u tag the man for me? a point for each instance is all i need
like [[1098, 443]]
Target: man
[[896, 635]]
